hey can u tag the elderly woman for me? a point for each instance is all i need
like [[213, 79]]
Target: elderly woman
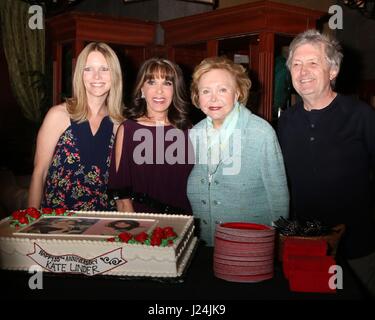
[[239, 171]]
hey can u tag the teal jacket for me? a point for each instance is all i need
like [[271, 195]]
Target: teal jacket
[[249, 185]]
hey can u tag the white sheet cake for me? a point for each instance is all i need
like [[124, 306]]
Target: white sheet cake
[[91, 254]]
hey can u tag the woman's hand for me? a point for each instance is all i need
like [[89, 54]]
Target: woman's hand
[[124, 205]]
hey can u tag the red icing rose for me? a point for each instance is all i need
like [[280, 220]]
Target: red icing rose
[[125, 236], [111, 239], [23, 220], [34, 213], [158, 230], [155, 241], [141, 237], [47, 210], [60, 211], [168, 232], [17, 214]]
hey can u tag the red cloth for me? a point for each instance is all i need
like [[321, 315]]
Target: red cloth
[[306, 247], [302, 247], [310, 281], [308, 264]]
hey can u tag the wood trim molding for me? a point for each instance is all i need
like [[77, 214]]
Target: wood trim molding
[[252, 17], [96, 27], [212, 48], [265, 72]]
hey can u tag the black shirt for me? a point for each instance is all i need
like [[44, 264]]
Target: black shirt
[[329, 154]]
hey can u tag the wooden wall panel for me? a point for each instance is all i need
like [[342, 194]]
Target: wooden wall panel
[[260, 20], [79, 28], [188, 57], [96, 27], [244, 19], [266, 71]]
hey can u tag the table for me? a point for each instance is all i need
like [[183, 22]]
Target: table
[[199, 283]]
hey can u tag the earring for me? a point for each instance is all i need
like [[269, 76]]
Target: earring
[[142, 95]]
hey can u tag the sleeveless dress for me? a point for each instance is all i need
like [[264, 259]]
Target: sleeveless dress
[[156, 177], [78, 175]]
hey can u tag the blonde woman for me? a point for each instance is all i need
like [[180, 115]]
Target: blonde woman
[[75, 141]]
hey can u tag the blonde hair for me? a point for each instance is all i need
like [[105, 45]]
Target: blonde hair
[[238, 72], [77, 105]]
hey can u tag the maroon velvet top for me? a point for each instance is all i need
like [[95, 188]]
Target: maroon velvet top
[[155, 161]]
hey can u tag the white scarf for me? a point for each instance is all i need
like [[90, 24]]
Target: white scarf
[[218, 139]]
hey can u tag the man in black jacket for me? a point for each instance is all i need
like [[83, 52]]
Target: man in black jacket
[[328, 143]]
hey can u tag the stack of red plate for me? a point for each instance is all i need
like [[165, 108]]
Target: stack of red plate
[[244, 252]]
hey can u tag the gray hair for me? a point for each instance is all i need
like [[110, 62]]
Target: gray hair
[[332, 47]]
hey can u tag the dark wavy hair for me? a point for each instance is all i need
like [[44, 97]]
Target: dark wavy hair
[[178, 114], [132, 224]]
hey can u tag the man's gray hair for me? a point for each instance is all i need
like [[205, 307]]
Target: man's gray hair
[[332, 47]]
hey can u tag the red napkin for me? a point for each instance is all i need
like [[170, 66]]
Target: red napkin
[[305, 247], [302, 247], [308, 264], [310, 281]]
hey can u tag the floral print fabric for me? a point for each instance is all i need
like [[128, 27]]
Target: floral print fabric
[[76, 185]]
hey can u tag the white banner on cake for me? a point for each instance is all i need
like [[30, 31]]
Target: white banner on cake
[[71, 263]]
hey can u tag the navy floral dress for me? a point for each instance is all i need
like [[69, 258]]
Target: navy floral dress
[[78, 176]]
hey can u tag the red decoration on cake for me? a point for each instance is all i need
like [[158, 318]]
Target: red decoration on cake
[[47, 210], [168, 232], [141, 237], [159, 237], [32, 212], [21, 218], [60, 211], [125, 236]]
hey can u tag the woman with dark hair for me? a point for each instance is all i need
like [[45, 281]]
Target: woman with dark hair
[[123, 225], [151, 164], [176, 113]]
